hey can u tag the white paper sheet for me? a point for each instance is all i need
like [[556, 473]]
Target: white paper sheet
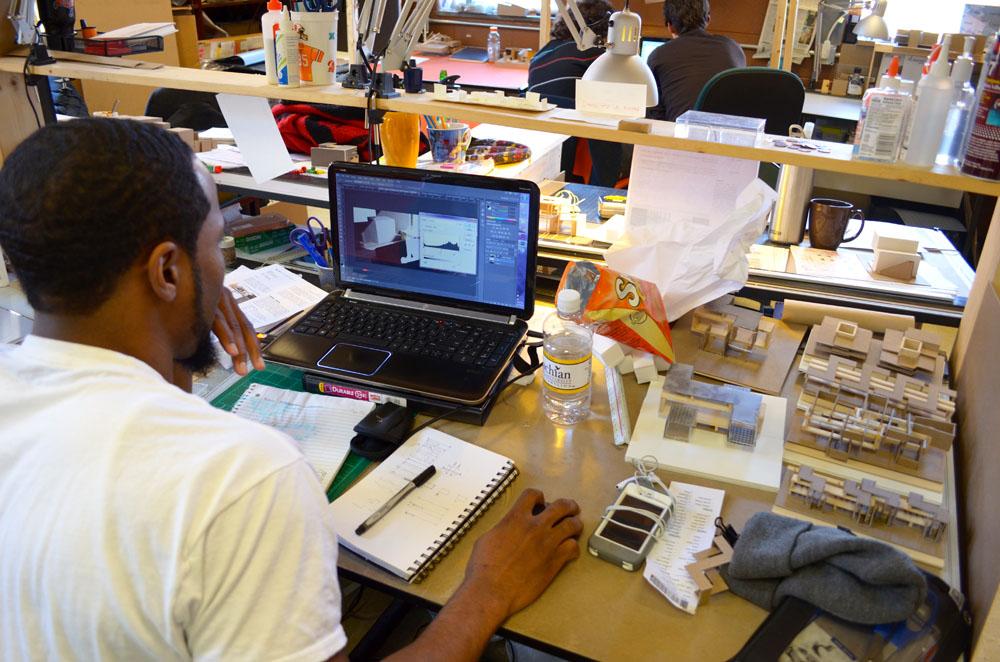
[[828, 264], [689, 222], [271, 294], [139, 30], [691, 529], [257, 135], [626, 100], [225, 156], [768, 258], [322, 426]]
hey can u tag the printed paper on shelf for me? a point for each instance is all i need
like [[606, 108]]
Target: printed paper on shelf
[[626, 100]]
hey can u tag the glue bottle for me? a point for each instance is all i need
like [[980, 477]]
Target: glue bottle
[[885, 113], [286, 48], [269, 24], [567, 355], [962, 105], [934, 95]]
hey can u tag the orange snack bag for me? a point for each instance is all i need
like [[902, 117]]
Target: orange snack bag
[[622, 308]]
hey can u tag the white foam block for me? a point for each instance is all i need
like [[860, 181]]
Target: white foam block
[[645, 368], [709, 455], [626, 366], [888, 242], [608, 351], [662, 365]]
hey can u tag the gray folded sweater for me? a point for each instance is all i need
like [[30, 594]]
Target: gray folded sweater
[[857, 579]]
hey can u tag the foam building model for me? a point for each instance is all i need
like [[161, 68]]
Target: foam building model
[[882, 402], [720, 334], [687, 404]]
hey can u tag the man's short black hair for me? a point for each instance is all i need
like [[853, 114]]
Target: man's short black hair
[[686, 15], [82, 201]]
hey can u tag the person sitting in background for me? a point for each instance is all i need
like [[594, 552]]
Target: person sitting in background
[[683, 65], [553, 73]]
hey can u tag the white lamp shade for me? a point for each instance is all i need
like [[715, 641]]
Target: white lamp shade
[[873, 26], [613, 68]]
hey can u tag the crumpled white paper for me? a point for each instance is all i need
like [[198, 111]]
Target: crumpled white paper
[[692, 261]]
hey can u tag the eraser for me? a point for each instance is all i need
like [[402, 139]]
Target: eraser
[[645, 368], [608, 351]]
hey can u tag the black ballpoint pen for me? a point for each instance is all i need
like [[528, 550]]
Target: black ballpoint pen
[[421, 478]]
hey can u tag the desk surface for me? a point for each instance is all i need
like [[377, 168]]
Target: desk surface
[[476, 74], [593, 608], [826, 105]]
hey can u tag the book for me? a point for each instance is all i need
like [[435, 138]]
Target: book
[[316, 384], [322, 426], [422, 529]]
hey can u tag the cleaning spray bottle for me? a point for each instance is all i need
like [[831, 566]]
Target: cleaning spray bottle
[[286, 47], [934, 95], [982, 155], [269, 24], [885, 113], [963, 102]]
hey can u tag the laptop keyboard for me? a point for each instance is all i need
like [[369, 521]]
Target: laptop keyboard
[[409, 333]]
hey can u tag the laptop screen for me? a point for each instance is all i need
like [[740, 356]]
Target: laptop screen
[[435, 236], [648, 45]]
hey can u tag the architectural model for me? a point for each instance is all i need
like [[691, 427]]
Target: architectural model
[[687, 404], [906, 519], [721, 334], [705, 570], [531, 101], [881, 402]]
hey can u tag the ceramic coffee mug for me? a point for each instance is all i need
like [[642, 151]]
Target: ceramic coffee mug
[[449, 145], [828, 220]]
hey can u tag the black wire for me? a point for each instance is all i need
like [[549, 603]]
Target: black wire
[[24, 73]]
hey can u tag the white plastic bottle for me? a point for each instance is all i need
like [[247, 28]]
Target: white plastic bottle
[[269, 29], [885, 114], [493, 44], [286, 48], [934, 96], [568, 351], [962, 105]]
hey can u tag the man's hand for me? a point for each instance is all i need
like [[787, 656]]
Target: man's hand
[[518, 558], [236, 334]]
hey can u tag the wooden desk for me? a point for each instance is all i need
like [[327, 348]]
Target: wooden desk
[[826, 105], [476, 74], [593, 608]]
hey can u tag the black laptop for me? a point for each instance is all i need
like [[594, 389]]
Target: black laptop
[[435, 276]]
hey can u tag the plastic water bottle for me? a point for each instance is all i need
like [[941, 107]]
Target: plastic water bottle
[[566, 363], [493, 44]]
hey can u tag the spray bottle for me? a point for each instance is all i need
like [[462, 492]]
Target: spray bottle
[[963, 102], [286, 47], [982, 155], [269, 24], [934, 95], [885, 113]]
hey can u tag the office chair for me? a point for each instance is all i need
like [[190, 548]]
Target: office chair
[[770, 94]]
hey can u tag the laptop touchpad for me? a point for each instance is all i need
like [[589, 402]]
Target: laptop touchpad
[[354, 359]]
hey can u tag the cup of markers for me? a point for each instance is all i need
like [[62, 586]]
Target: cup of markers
[[449, 140]]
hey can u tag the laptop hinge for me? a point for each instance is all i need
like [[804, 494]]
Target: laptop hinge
[[431, 307]]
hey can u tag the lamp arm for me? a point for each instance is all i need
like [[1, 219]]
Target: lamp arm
[[412, 17], [369, 21], [584, 37]]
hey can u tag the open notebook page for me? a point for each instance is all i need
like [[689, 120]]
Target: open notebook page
[[322, 425], [427, 517]]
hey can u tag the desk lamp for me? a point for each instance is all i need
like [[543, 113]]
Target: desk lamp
[[620, 63], [413, 15], [871, 27]]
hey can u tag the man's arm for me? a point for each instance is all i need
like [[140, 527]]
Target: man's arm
[[511, 565]]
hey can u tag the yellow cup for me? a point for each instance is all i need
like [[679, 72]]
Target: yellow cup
[[401, 139]]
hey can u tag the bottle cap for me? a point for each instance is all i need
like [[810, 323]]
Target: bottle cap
[[890, 79], [940, 67], [568, 301], [274, 5], [227, 242]]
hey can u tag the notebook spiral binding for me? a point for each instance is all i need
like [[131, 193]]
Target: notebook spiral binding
[[447, 540]]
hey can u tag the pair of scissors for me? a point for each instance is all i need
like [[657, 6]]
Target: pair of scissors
[[314, 240]]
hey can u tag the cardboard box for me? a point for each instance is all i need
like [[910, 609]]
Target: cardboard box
[[839, 87], [856, 55]]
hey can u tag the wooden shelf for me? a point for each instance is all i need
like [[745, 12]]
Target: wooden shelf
[[918, 51], [838, 160]]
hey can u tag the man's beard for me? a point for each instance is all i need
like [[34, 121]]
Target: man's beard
[[204, 353]]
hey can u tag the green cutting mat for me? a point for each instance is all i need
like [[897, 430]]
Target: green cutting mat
[[291, 379]]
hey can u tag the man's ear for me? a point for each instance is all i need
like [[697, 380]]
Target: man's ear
[[163, 270]]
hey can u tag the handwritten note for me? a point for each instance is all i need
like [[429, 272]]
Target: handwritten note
[[626, 100], [690, 530], [322, 425]]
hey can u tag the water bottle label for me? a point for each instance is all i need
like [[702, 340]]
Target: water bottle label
[[564, 377]]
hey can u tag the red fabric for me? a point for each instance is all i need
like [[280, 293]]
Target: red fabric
[[582, 164], [303, 127]]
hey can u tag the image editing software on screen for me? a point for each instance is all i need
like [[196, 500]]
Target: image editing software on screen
[[443, 240]]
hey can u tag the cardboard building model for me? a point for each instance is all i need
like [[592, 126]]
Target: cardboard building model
[[687, 405]]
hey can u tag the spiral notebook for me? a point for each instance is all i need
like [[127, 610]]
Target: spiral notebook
[[418, 532]]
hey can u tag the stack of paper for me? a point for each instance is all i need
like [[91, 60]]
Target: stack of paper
[[271, 294], [139, 30]]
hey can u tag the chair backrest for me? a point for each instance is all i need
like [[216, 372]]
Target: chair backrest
[[770, 94]]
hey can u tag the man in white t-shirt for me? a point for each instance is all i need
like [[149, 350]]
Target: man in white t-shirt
[[137, 522]]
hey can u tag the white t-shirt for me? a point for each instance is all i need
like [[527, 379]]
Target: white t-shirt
[[138, 522]]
